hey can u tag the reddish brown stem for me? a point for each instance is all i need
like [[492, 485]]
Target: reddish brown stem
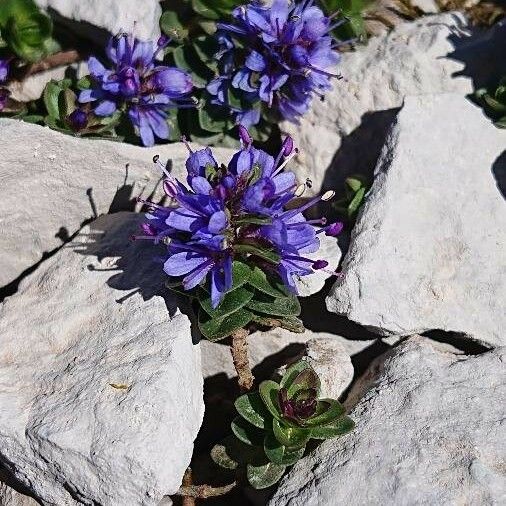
[[60, 59], [239, 350], [189, 492]]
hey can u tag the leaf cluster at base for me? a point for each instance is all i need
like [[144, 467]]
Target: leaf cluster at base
[[254, 297], [265, 441], [493, 101]]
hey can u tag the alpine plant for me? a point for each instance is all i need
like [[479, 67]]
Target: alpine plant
[[134, 83], [276, 58], [231, 240]]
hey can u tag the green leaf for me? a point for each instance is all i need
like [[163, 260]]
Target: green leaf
[[280, 454], [50, 96], [66, 103], [215, 329], [264, 476], [212, 123], [327, 411], [246, 432], [293, 437], [291, 323], [282, 306], [292, 372], [271, 285], [307, 379], [171, 25], [241, 274], [232, 302], [252, 219], [356, 202], [267, 254], [269, 391], [251, 407], [338, 427], [354, 183], [230, 453], [84, 83]]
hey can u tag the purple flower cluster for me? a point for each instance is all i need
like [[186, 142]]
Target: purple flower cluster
[[236, 211], [136, 84], [4, 74], [278, 55]]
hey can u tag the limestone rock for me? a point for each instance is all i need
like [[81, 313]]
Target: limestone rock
[[429, 248], [52, 183], [344, 133], [10, 497], [101, 386], [140, 17], [329, 358], [430, 431]]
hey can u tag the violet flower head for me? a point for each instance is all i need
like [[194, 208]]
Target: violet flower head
[[135, 83], [235, 212], [279, 56], [4, 74]]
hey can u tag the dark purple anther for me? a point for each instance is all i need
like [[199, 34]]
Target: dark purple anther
[[320, 264], [334, 229], [4, 70], [163, 41]]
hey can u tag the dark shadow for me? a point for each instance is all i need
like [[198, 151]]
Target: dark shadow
[[318, 318], [138, 265], [457, 340], [499, 171], [7, 478], [482, 53], [360, 150]]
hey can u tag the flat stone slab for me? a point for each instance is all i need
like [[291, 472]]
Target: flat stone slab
[[430, 430], [50, 183], [429, 248], [100, 385]]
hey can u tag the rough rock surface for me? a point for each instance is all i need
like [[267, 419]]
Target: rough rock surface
[[140, 17], [68, 180], [429, 248], [430, 431], [9, 497], [101, 393], [425, 56], [329, 358]]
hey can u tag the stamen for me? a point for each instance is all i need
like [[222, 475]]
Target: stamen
[[187, 144], [161, 166], [300, 190], [320, 264], [286, 162], [245, 136], [328, 195]]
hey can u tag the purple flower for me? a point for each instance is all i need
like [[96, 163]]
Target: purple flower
[[283, 59], [78, 120], [137, 84], [4, 70], [232, 212]]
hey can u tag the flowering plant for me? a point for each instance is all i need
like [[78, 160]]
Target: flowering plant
[[276, 423], [494, 102]]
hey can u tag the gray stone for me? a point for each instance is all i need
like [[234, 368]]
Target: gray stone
[[102, 392], [430, 431], [344, 133], [429, 248], [140, 17], [10, 497], [52, 183]]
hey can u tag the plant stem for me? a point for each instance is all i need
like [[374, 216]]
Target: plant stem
[[189, 492], [52, 61], [239, 350], [188, 499]]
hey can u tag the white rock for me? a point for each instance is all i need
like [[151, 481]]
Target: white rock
[[430, 431], [429, 249], [102, 390], [411, 59], [10, 497], [55, 172], [330, 252], [329, 358], [216, 358], [140, 17]]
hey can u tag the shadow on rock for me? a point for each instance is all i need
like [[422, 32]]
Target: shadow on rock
[[135, 266], [482, 53], [359, 150], [499, 171]]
